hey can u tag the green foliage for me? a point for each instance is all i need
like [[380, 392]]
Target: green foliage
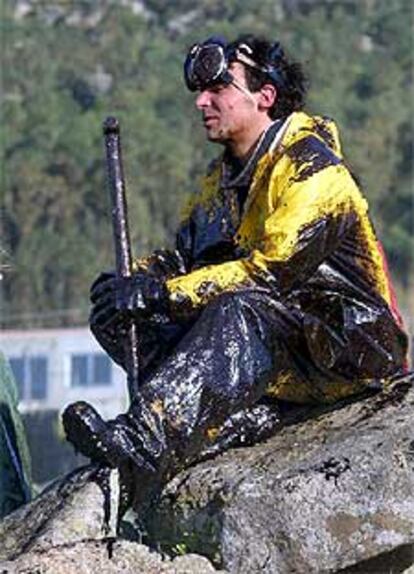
[[180, 549], [62, 76], [15, 488]]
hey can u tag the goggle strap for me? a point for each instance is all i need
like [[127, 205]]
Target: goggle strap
[[243, 89], [244, 58]]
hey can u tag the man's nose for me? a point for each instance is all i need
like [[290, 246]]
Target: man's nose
[[203, 99]]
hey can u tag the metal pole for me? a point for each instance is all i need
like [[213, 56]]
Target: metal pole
[[122, 243]]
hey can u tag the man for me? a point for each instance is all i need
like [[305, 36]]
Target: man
[[277, 289]]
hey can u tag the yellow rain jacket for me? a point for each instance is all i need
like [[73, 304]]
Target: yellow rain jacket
[[304, 231]]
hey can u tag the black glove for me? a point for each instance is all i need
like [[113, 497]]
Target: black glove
[[115, 299], [165, 264]]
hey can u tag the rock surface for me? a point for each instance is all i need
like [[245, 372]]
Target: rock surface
[[70, 529], [334, 493], [71, 510], [97, 556], [330, 494]]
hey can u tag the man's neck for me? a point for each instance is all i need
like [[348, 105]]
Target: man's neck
[[242, 147]]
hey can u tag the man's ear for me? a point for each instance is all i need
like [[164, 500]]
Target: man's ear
[[268, 96]]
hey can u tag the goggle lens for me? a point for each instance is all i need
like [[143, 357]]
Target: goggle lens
[[206, 65]]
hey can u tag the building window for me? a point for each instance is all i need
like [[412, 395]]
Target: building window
[[30, 374], [90, 370]]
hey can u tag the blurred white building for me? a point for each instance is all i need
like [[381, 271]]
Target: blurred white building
[[54, 367]]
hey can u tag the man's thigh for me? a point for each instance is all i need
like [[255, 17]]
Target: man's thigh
[[225, 361]]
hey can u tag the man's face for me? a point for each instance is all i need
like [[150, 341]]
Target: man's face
[[227, 111]]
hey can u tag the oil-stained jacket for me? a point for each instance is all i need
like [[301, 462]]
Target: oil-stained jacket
[[304, 233]]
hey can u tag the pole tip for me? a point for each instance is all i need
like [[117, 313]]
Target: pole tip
[[111, 125]]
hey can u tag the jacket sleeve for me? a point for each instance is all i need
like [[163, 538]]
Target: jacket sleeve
[[311, 214]]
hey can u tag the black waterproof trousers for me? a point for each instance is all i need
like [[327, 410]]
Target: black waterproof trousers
[[210, 391]]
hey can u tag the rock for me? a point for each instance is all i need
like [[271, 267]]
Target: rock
[[92, 556], [71, 529], [334, 493], [83, 506]]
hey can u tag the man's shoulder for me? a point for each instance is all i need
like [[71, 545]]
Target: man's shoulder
[[304, 128], [308, 163]]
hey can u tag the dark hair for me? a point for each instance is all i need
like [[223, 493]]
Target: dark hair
[[288, 78]]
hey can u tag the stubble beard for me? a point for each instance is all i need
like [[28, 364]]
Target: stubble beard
[[219, 135]]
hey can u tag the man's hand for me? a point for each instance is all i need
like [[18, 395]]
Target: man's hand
[[115, 298]]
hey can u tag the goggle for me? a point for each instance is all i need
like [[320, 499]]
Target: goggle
[[207, 64]]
